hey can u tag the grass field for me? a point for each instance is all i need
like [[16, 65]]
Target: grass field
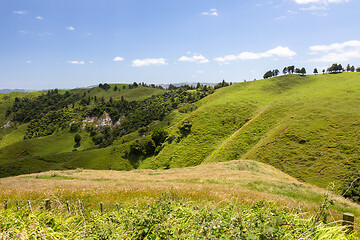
[[185, 203]]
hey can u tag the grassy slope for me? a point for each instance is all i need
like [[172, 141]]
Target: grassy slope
[[244, 182], [56, 151], [306, 126]]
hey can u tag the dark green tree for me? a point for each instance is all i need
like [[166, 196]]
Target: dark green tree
[[285, 70], [185, 129], [302, 71], [315, 71], [276, 72], [77, 140], [159, 136], [348, 68]]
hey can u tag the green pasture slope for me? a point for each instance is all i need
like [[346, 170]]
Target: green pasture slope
[[19, 156], [306, 126]]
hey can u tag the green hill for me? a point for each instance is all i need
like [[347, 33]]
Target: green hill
[[306, 126]]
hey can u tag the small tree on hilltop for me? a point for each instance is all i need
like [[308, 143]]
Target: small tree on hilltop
[[315, 71], [276, 72], [358, 69], [303, 71], [348, 68], [285, 70], [323, 71], [352, 69]]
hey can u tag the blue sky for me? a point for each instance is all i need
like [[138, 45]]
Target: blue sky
[[65, 43]]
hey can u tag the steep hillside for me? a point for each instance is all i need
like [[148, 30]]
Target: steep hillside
[[306, 126]]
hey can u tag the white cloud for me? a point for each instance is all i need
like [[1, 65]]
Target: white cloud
[[211, 12], [200, 72], [336, 52], [195, 58], [76, 62], [118, 59], [335, 46], [320, 1], [318, 7], [70, 28], [28, 61], [20, 12], [275, 52], [22, 31], [91, 62], [39, 18], [148, 61]]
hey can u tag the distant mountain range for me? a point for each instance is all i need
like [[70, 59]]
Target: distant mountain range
[[5, 91]]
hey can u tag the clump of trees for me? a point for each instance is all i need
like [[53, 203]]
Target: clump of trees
[[271, 73], [335, 68], [26, 109], [220, 84], [104, 86], [289, 70]]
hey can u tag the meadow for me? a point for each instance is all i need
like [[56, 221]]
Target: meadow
[[232, 200]]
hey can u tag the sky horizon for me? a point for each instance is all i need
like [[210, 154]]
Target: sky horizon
[[67, 44]]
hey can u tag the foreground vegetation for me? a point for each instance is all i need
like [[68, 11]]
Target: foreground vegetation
[[169, 217], [237, 199]]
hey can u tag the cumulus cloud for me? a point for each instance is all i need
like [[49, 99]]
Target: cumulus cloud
[[20, 12], [336, 52], [39, 18], [211, 12], [118, 59], [195, 58], [28, 61], [76, 62], [275, 52], [70, 28], [148, 61]]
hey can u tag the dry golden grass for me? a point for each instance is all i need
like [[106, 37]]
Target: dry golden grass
[[242, 181]]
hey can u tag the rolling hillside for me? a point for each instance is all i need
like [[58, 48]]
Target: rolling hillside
[[306, 126]]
